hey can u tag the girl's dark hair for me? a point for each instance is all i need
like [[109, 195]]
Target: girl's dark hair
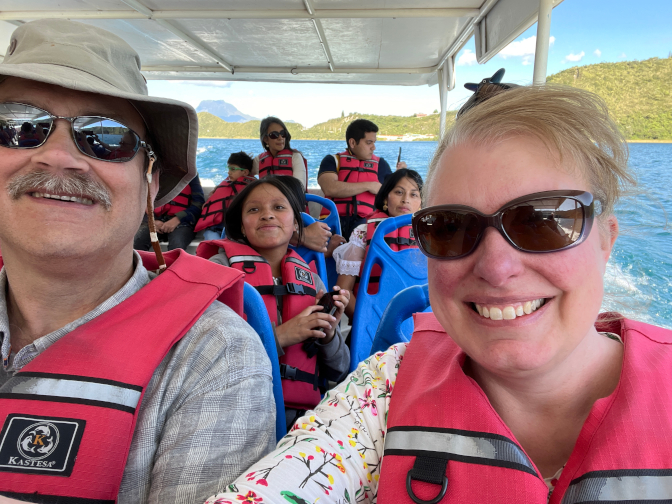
[[290, 188], [391, 182], [263, 130], [242, 159]]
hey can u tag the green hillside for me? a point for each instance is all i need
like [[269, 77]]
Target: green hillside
[[333, 129], [638, 93], [210, 126]]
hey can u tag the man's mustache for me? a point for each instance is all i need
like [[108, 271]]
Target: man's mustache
[[75, 184]]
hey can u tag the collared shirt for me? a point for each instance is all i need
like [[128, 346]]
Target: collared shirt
[[207, 413]]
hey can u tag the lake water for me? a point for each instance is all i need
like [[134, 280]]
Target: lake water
[[638, 280]]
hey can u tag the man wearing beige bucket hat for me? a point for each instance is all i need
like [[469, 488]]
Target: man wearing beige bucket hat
[[117, 383]]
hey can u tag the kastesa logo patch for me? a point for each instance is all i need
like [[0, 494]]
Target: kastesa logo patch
[[40, 445], [303, 276]]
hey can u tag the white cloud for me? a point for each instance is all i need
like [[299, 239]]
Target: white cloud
[[575, 57], [214, 84], [523, 49], [623, 55], [468, 58], [597, 53]]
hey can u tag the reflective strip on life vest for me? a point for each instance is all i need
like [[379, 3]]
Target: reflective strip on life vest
[[246, 258], [460, 445], [297, 261], [637, 485], [73, 389]]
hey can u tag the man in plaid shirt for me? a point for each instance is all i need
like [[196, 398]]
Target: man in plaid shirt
[[206, 412]]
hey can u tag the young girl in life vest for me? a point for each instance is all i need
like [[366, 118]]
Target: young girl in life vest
[[212, 215], [399, 195], [260, 223]]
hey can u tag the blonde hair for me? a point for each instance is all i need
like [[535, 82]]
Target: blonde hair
[[570, 122]]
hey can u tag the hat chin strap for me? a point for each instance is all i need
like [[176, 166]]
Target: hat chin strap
[[150, 219]]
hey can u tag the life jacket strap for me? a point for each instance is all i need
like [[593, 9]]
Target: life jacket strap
[[399, 241], [283, 290], [288, 372]]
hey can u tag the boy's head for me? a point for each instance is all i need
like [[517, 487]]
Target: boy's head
[[361, 138], [240, 165]]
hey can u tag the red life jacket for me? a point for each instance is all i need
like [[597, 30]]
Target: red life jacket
[[215, 208], [298, 367], [399, 239], [280, 164], [69, 415], [443, 435], [179, 203], [351, 169]]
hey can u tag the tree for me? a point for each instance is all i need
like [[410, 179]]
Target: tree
[[342, 114], [435, 111]]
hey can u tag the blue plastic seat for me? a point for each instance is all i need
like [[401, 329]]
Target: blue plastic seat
[[334, 223], [312, 255], [399, 270], [257, 317], [396, 324]]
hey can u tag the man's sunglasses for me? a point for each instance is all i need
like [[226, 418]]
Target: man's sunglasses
[[541, 222], [27, 127], [274, 135]]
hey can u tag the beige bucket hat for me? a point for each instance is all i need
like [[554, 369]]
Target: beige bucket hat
[[85, 58]]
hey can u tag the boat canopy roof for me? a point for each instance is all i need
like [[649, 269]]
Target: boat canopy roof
[[396, 42]]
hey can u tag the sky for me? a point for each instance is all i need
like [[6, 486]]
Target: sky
[[583, 32]]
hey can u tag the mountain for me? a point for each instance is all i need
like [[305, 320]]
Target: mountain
[[225, 111], [638, 94]]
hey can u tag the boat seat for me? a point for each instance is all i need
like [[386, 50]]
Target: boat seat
[[257, 316], [312, 256], [396, 324], [334, 222], [399, 270]]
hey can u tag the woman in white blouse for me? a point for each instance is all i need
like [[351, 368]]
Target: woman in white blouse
[[399, 195]]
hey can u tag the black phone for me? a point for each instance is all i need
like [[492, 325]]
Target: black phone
[[327, 302], [328, 306]]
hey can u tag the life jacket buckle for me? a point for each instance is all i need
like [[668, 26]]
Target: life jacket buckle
[[430, 470], [288, 372], [293, 288]]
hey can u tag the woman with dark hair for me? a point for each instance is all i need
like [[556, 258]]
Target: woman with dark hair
[[260, 223], [399, 194], [278, 157]]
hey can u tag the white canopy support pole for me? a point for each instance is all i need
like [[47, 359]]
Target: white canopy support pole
[[446, 76], [443, 99], [543, 36]]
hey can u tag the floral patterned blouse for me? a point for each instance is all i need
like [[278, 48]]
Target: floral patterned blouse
[[333, 455]]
